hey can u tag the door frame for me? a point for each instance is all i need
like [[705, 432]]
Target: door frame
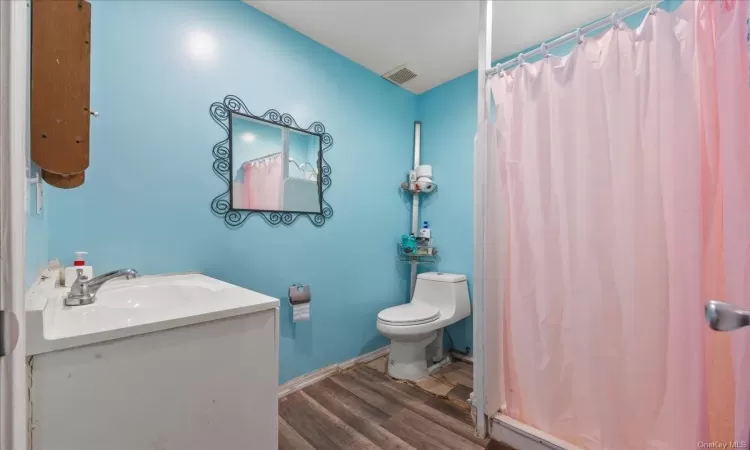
[[484, 62], [14, 121]]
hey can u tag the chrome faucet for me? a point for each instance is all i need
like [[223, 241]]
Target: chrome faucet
[[83, 291]]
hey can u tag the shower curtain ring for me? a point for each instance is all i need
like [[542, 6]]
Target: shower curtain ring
[[545, 49], [653, 8], [521, 59], [615, 21], [579, 38]]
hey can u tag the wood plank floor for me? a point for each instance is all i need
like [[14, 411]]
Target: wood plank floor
[[363, 408]]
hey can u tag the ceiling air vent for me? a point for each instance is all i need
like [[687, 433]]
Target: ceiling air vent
[[399, 75]]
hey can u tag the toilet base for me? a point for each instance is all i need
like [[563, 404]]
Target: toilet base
[[407, 358]]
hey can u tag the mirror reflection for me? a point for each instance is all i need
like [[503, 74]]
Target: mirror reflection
[[273, 168]]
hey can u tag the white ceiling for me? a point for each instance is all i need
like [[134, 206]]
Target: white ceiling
[[436, 39]]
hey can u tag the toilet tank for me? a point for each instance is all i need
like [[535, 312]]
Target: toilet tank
[[449, 292]]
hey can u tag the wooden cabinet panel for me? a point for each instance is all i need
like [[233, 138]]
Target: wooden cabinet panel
[[64, 181], [60, 71]]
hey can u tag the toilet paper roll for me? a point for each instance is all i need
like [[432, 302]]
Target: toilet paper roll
[[424, 170], [426, 185], [300, 312]]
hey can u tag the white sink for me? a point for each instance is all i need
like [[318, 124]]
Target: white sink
[[129, 307]]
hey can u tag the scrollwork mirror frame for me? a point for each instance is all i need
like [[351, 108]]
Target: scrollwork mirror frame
[[221, 204]]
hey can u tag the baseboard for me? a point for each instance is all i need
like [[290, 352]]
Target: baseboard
[[520, 435], [307, 379], [461, 357]]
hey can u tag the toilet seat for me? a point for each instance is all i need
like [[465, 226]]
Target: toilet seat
[[409, 314]]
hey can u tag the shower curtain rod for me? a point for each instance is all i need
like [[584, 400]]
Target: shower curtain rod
[[260, 158], [579, 33]]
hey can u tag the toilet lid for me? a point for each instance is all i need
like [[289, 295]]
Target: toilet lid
[[409, 314]]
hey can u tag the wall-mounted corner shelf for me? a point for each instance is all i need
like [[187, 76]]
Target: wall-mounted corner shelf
[[405, 187], [420, 257]]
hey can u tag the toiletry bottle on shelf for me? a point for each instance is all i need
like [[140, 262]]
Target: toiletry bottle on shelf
[[425, 239], [71, 273], [412, 243], [405, 247], [424, 233]]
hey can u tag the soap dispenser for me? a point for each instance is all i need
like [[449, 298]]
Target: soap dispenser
[[71, 273]]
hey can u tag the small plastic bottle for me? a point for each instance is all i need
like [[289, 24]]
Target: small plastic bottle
[[71, 273], [424, 233], [412, 243]]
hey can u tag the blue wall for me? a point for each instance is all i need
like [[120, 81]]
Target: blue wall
[[146, 200], [36, 238], [448, 115]]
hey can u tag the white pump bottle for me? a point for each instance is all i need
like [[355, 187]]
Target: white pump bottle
[[71, 272]]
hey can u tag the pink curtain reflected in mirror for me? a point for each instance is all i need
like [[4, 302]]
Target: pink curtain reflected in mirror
[[260, 186], [624, 171]]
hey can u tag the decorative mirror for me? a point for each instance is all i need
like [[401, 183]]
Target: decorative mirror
[[273, 167]]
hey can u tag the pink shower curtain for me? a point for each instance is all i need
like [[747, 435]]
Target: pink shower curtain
[[261, 187], [624, 172]]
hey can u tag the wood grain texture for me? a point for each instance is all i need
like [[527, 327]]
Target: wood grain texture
[[414, 435], [367, 394], [348, 435], [460, 393], [458, 410], [64, 181], [494, 445], [364, 408], [317, 426], [435, 386], [358, 421], [60, 85], [402, 387], [457, 373], [415, 399], [355, 403], [445, 437], [289, 439]]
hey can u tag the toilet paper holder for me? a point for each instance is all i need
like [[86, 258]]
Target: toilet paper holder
[[299, 294]]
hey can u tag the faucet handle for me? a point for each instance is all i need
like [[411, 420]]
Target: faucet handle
[[81, 276], [79, 286]]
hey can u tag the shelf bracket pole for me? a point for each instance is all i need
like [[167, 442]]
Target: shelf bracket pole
[[37, 180]]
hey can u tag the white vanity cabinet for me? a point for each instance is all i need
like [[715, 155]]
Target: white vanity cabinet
[[206, 385]]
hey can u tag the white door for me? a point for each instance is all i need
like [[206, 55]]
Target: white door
[[14, 88], [6, 386]]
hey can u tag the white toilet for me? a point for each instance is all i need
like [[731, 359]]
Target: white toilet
[[440, 299]]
